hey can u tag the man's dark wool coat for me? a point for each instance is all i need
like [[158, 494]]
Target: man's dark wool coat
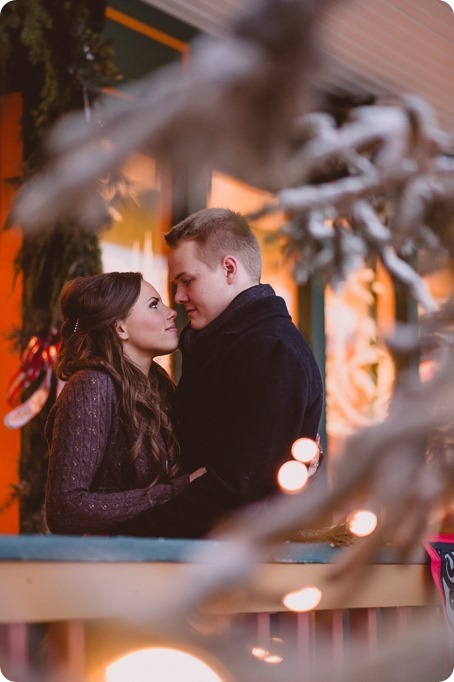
[[250, 387]]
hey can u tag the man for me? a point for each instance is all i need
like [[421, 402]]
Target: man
[[250, 384]]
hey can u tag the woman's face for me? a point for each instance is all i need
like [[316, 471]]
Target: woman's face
[[149, 329]]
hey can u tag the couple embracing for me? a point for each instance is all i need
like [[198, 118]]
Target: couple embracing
[[130, 454]]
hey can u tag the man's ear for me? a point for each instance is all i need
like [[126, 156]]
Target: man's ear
[[230, 265], [121, 330]]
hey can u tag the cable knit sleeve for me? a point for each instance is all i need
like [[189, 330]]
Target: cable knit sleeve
[[83, 434]]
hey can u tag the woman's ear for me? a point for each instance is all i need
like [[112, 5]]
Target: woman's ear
[[121, 330]]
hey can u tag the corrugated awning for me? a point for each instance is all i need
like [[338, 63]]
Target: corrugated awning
[[389, 47]]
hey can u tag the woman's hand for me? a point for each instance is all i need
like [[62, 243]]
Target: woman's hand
[[195, 474]]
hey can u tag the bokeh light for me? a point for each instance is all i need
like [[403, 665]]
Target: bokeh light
[[292, 476], [160, 665], [273, 659], [272, 655], [362, 523], [303, 600], [260, 652], [305, 450]]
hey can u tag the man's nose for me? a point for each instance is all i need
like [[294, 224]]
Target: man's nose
[[180, 295]]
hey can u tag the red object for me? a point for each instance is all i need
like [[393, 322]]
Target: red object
[[37, 357], [441, 551]]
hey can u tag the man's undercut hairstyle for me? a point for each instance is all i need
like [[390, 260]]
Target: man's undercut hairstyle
[[219, 232]]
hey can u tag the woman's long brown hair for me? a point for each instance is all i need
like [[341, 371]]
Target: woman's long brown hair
[[90, 307]]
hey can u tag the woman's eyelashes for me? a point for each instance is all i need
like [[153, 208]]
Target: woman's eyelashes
[[153, 303]]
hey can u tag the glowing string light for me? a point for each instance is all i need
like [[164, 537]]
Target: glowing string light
[[362, 523], [292, 476], [305, 450], [303, 600], [160, 665]]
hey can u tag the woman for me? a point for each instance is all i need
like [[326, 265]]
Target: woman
[[112, 450]]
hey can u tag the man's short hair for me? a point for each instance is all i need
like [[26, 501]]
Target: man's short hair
[[219, 232]]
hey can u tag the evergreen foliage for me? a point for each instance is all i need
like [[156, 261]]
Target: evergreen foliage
[[51, 53]]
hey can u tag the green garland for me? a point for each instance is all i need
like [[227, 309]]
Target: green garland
[[49, 53], [51, 39]]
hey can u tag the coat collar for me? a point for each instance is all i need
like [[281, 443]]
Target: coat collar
[[252, 304]]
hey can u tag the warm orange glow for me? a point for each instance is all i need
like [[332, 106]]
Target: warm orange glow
[[359, 368], [305, 450], [292, 476], [160, 664], [303, 600], [362, 522], [146, 30], [10, 243], [232, 193]]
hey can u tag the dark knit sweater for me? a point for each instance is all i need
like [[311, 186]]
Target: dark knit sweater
[[92, 486], [250, 387]]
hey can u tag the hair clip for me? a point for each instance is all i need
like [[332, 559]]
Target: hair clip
[[76, 325]]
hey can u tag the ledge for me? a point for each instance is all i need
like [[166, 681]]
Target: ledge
[[46, 578], [69, 548]]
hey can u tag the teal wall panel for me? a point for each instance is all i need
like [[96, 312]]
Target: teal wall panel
[[135, 54]]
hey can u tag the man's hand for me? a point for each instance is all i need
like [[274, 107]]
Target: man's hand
[[197, 473]]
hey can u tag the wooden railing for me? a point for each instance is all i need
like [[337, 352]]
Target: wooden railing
[[56, 592]]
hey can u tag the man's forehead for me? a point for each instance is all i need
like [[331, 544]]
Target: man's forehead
[[179, 270], [184, 259]]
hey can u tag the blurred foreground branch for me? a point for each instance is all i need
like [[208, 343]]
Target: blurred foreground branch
[[381, 185], [233, 108]]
